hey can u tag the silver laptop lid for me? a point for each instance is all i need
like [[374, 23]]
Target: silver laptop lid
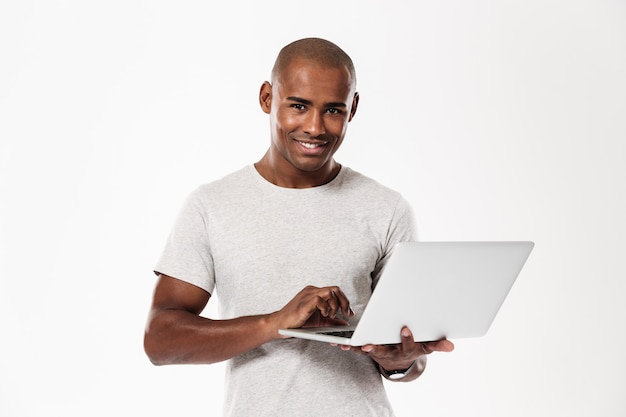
[[441, 289]]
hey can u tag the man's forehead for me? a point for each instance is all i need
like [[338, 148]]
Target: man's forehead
[[305, 70], [323, 92]]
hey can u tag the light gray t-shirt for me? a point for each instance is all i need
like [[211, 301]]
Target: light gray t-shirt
[[256, 245]]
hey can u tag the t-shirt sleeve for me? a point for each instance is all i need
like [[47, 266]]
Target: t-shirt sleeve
[[187, 253], [402, 228]]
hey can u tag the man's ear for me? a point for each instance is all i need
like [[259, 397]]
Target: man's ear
[[355, 104], [265, 97]]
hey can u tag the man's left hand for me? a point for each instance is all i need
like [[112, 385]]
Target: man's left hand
[[402, 355]]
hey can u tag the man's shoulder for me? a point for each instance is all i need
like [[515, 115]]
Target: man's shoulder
[[240, 176], [356, 180], [232, 183]]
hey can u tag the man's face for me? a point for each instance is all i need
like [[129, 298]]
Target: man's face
[[310, 107]]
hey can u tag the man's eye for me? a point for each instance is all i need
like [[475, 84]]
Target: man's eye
[[298, 106], [334, 111]]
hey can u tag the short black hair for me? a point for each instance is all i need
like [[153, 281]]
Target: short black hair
[[314, 49]]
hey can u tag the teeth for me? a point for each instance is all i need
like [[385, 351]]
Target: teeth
[[310, 145]]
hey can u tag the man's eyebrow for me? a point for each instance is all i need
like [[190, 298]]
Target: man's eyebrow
[[300, 100], [309, 102]]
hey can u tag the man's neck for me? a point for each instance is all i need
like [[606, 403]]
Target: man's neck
[[295, 178]]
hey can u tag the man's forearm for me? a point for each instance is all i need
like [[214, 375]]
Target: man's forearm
[[181, 337]]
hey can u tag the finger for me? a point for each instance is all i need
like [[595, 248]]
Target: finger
[[443, 345], [333, 304], [377, 351], [329, 301], [322, 305], [368, 348], [408, 343], [342, 300]]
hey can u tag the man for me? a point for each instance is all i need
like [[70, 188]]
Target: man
[[293, 240]]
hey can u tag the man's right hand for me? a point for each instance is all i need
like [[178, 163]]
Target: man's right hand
[[314, 307]]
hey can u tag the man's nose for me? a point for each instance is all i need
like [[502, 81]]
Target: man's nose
[[314, 124]]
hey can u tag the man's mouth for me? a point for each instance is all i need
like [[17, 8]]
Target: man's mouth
[[311, 145]]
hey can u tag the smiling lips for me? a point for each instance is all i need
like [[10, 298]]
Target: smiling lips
[[312, 146]]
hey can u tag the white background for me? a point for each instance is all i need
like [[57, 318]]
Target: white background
[[496, 119]]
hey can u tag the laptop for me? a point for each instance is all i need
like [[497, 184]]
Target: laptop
[[438, 289]]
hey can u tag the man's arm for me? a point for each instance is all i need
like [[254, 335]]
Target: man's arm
[[176, 333]]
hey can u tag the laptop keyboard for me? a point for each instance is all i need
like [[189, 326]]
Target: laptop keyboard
[[341, 333]]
